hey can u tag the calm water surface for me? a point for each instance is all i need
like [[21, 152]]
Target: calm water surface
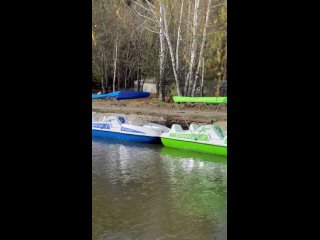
[[144, 191]]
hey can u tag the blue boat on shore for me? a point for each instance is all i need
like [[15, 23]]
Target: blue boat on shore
[[122, 95]]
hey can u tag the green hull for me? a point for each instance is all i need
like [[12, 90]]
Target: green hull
[[208, 100], [193, 146]]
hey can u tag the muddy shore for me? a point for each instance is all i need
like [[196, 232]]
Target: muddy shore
[[152, 110]]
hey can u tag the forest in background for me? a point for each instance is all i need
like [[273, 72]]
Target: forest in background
[[179, 43]]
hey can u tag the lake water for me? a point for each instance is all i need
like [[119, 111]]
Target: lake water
[[151, 192]]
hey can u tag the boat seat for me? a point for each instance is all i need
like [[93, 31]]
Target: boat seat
[[122, 119], [104, 119], [176, 128], [194, 127]]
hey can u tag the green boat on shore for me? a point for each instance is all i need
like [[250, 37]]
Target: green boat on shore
[[207, 100], [207, 139]]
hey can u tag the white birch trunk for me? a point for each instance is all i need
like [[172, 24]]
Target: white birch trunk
[[178, 40], [161, 56], [193, 49], [164, 14], [188, 43], [204, 38]]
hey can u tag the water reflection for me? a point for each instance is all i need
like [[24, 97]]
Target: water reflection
[[181, 154], [143, 191]]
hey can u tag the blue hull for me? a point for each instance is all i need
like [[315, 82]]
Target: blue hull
[[125, 137], [122, 95]]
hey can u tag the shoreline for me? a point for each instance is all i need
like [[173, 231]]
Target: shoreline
[[166, 113]]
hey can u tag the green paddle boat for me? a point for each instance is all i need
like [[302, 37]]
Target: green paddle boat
[[207, 139]]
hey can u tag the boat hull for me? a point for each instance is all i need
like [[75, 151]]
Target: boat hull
[[125, 136], [193, 146], [208, 100], [122, 95]]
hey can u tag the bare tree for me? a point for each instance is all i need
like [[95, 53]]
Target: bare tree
[[204, 39], [184, 34], [193, 49], [163, 12], [158, 17], [161, 58]]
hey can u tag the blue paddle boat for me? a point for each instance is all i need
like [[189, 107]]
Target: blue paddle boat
[[118, 127]]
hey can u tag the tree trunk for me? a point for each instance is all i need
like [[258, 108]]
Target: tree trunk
[[201, 87], [119, 77], [161, 56], [103, 72], [218, 88], [157, 85], [164, 15], [144, 78], [204, 38], [178, 42], [107, 83], [102, 85], [138, 80], [224, 76], [190, 76], [106, 77], [125, 78], [115, 67], [188, 41]]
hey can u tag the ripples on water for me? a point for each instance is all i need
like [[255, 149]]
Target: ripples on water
[[147, 191]]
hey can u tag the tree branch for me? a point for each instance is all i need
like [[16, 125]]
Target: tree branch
[[154, 31], [145, 16], [148, 9], [150, 4]]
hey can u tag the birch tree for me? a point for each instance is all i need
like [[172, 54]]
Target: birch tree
[[161, 59], [163, 13], [189, 79], [175, 41], [159, 16], [204, 39]]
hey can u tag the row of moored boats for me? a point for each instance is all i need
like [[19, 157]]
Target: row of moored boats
[[206, 138]]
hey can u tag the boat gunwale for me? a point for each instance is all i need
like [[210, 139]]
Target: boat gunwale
[[127, 133], [193, 141]]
